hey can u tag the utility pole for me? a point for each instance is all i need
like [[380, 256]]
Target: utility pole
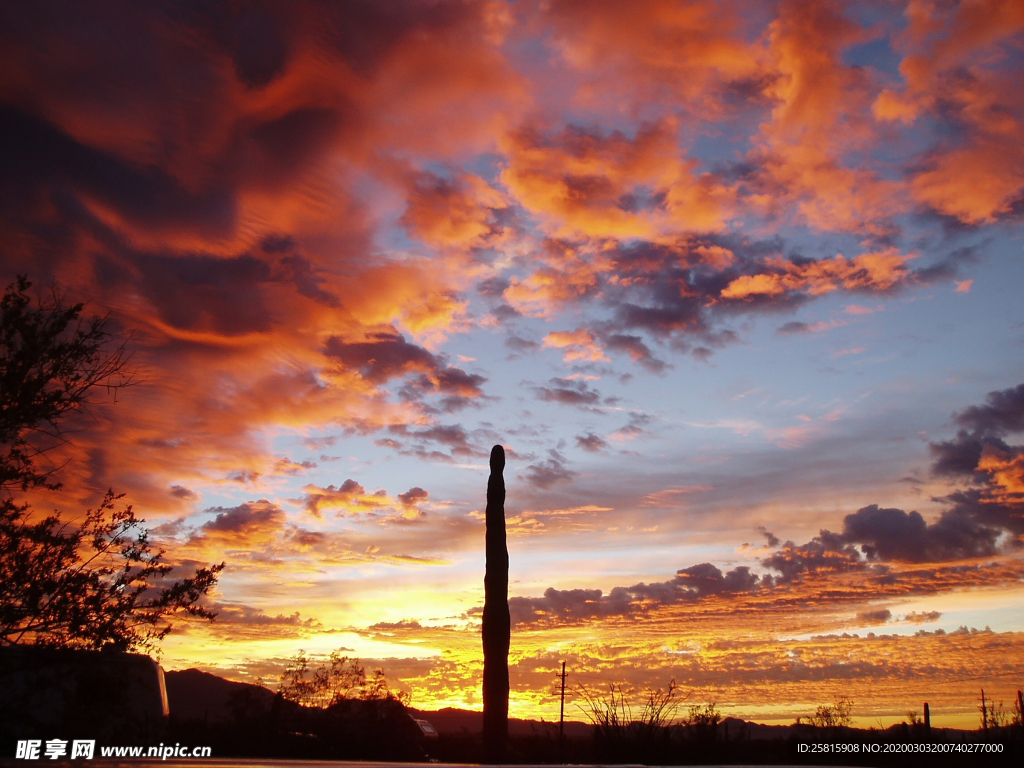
[[927, 721], [561, 721]]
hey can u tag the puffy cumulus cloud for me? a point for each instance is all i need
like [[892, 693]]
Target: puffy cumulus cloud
[[462, 212], [413, 293], [381, 356], [591, 442], [922, 617], [423, 442], [569, 392], [546, 473], [805, 154], [249, 524], [265, 549], [689, 585], [285, 466], [578, 345], [459, 389], [413, 496], [636, 349], [793, 327], [691, 52], [706, 579], [878, 616], [892, 534], [748, 599], [683, 293], [581, 182], [880, 535], [960, 67], [1005, 470], [385, 354], [348, 498], [568, 273], [828, 587], [666, 290], [412, 502], [654, 292], [633, 429], [686, 293], [881, 271], [1002, 413], [825, 553], [257, 534], [979, 450], [183, 493]]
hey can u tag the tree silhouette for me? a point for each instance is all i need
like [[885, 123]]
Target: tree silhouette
[[94, 583], [51, 364], [333, 681]]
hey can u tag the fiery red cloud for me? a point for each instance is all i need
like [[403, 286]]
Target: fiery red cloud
[[355, 245]]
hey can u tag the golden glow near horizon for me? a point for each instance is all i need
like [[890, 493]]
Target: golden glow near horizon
[[736, 284]]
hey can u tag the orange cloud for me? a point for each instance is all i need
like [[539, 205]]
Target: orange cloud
[[857, 309], [689, 51], [955, 62], [412, 294], [879, 271], [459, 213], [578, 345], [817, 119], [568, 273], [580, 182], [1005, 469], [351, 498]]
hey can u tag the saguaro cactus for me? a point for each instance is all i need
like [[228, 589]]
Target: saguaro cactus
[[497, 625]]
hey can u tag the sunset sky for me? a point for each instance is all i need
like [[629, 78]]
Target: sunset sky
[[736, 284]]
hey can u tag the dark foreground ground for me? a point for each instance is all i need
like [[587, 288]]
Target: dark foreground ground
[[245, 726], [334, 764], [289, 764]]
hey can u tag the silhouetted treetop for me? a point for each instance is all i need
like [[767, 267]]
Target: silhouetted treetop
[[94, 582], [51, 362]]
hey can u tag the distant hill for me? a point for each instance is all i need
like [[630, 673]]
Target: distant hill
[[196, 695]]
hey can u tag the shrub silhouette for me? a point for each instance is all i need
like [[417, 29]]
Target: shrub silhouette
[[624, 735], [834, 715]]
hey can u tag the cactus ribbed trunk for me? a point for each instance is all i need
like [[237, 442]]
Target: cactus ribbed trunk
[[497, 625]]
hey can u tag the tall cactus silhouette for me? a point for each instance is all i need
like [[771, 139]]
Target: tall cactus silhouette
[[497, 626]]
